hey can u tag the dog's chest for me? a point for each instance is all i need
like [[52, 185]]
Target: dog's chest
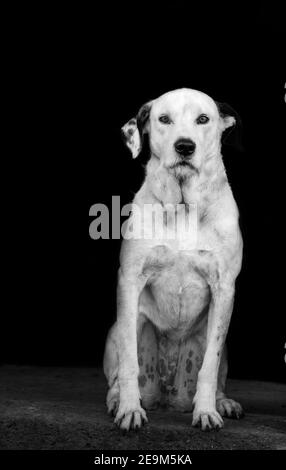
[[178, 286]]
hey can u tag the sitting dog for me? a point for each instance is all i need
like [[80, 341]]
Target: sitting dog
[[175, 297]]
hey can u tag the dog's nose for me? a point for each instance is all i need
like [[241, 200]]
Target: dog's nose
[[185, 147]]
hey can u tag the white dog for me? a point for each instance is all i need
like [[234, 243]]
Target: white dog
[[175, 297]]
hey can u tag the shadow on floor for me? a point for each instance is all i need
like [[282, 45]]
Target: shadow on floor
[[64, 408]]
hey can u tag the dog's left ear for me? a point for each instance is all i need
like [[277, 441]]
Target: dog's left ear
[[134, 130], [231, 126]]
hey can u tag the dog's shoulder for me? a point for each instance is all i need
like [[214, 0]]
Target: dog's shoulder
[[220, 219], [225, 210]]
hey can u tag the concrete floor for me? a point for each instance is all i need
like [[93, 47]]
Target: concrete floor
[[64, 408]]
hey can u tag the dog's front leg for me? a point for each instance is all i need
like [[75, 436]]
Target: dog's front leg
[[205, 413], [130, 413]]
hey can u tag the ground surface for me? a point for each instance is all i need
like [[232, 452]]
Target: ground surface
[[64, 408]]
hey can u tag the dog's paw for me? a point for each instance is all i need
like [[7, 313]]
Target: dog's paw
[[229, 408], [112, 401], [207, 419], [112, 405], [128, 417]]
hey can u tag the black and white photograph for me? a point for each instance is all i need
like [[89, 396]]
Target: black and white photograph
[[144, 316]]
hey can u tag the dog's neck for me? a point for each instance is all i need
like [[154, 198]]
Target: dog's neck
[[201, 187]]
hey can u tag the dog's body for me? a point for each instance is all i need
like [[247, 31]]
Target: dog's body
[[175, 296]]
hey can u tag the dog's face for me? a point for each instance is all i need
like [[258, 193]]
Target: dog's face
[[184, 128]]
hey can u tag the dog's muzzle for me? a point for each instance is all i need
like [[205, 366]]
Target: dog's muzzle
[[185, 148]]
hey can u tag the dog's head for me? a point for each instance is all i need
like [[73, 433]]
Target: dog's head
[[185, 128]]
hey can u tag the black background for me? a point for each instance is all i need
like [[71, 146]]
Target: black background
[[93, 72]]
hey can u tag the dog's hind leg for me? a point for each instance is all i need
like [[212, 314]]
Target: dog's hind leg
[[224, 405], [148, 359], [190, 355]]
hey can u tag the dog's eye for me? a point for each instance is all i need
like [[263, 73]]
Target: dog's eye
[[165, 119], [202, 119]]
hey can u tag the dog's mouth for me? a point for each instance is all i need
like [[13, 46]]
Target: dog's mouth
[[183, 171], [183, 165]]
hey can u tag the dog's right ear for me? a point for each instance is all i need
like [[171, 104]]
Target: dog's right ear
[[231, 126], [134, 130]]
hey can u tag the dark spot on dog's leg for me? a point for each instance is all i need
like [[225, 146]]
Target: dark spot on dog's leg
[[189, 365], [171, 379], [162, 367], [142, 380]]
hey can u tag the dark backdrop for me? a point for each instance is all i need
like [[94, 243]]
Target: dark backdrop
[[105, 65]]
